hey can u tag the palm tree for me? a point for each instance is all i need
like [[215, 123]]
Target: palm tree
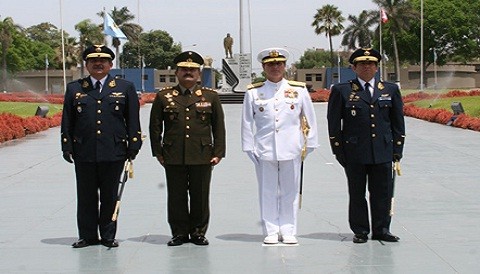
[[400, 13], [7, 30], [90, 34], [358, 34], [122, 17], [328, 20]]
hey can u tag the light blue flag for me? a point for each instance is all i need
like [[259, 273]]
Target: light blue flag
[[110, 28]]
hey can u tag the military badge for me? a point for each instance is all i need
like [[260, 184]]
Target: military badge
[[117, 107], [354, 112], [85, 84], [355, 87], [291, 93], [168, 96], [198, 93], [292, 107], [175, 93], [79, 109], [380, 86], [261, 109], [112, 84]]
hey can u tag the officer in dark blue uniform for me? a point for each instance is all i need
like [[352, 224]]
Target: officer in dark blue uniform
[[100, 130], [367, 132]]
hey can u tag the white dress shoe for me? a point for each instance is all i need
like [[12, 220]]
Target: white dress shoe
[[271, 239], [289, 239]]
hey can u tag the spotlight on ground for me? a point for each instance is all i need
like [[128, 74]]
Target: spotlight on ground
[[42, 111]]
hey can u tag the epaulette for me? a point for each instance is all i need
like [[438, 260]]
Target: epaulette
[[208, 89], [165, 88], [297, 84], [255, 85]]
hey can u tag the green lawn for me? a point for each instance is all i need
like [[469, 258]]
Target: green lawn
[[471, 104], [28, 109]]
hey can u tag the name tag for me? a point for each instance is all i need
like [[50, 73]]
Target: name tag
[[203, 104]]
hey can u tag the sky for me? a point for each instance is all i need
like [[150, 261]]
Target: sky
[[200, 25]]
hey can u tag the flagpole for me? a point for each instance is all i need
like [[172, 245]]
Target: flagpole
[[46, 73], [421, 45], [63, 47], [381, 48]]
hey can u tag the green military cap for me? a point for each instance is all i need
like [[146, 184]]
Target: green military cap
[[188, 59]]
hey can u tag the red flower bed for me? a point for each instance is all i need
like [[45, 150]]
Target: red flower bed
[[320, 95], [31, 97], [14, 127]]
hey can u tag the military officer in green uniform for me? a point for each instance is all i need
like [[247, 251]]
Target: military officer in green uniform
[[187, 133], [100, 130]]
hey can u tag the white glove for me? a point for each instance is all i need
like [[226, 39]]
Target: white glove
[[252, 157]]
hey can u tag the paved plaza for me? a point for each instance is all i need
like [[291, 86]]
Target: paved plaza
[[437, 213]]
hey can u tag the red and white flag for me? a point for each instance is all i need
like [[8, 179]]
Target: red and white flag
[[383, 16]]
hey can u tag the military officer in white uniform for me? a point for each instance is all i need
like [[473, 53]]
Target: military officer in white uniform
[[273, 139]]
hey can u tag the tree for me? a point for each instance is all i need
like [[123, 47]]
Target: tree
[[400, 15], [450, 34], [156, 47], [7, 30], [90, 34], [328, 20], [358, 34], [312, 58], [122, 17]]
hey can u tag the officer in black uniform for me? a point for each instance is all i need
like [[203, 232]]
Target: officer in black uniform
[[187, 133], [100, 130], [367, 131]]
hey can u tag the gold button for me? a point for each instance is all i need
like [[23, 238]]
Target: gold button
[[99, 111], [276, 120], [65, 140], [277, 130], [187, 136], [373, 125], [188, 127], [187, 118], [373, 135], [372, 115], [99, 132], [337, 144], [371, 106], [99, 122], [399, 143], [135, 139], [99, 101], [187, 109]]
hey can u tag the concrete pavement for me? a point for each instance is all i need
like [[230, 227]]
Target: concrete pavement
[[436, 216]]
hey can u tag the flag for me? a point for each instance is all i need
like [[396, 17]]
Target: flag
[[383, 16], [110, 28]]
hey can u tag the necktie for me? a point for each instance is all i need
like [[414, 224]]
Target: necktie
[[188, 92], [367, 89], [98, 86]]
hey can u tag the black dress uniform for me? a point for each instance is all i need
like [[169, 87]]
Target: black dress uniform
[[99, 129], [366, 134], [187, 130]]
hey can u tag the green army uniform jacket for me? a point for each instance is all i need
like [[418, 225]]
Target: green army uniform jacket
[[187, 129]]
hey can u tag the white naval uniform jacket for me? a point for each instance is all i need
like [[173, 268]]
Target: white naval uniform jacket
[[271, 120]]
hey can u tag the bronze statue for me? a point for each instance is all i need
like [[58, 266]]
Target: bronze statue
[[227, 44]]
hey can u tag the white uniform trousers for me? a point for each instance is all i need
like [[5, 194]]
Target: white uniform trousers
[[278, 183]]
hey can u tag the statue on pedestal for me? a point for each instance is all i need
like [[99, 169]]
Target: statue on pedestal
[[227, 44]]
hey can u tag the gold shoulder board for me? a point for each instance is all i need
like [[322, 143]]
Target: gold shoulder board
[[255, 85], [296, 84]]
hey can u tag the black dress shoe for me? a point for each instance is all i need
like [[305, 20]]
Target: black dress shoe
[[387, 237], [85, 242], [178, 240], [199, 240], [109, 243], [360, 238]]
